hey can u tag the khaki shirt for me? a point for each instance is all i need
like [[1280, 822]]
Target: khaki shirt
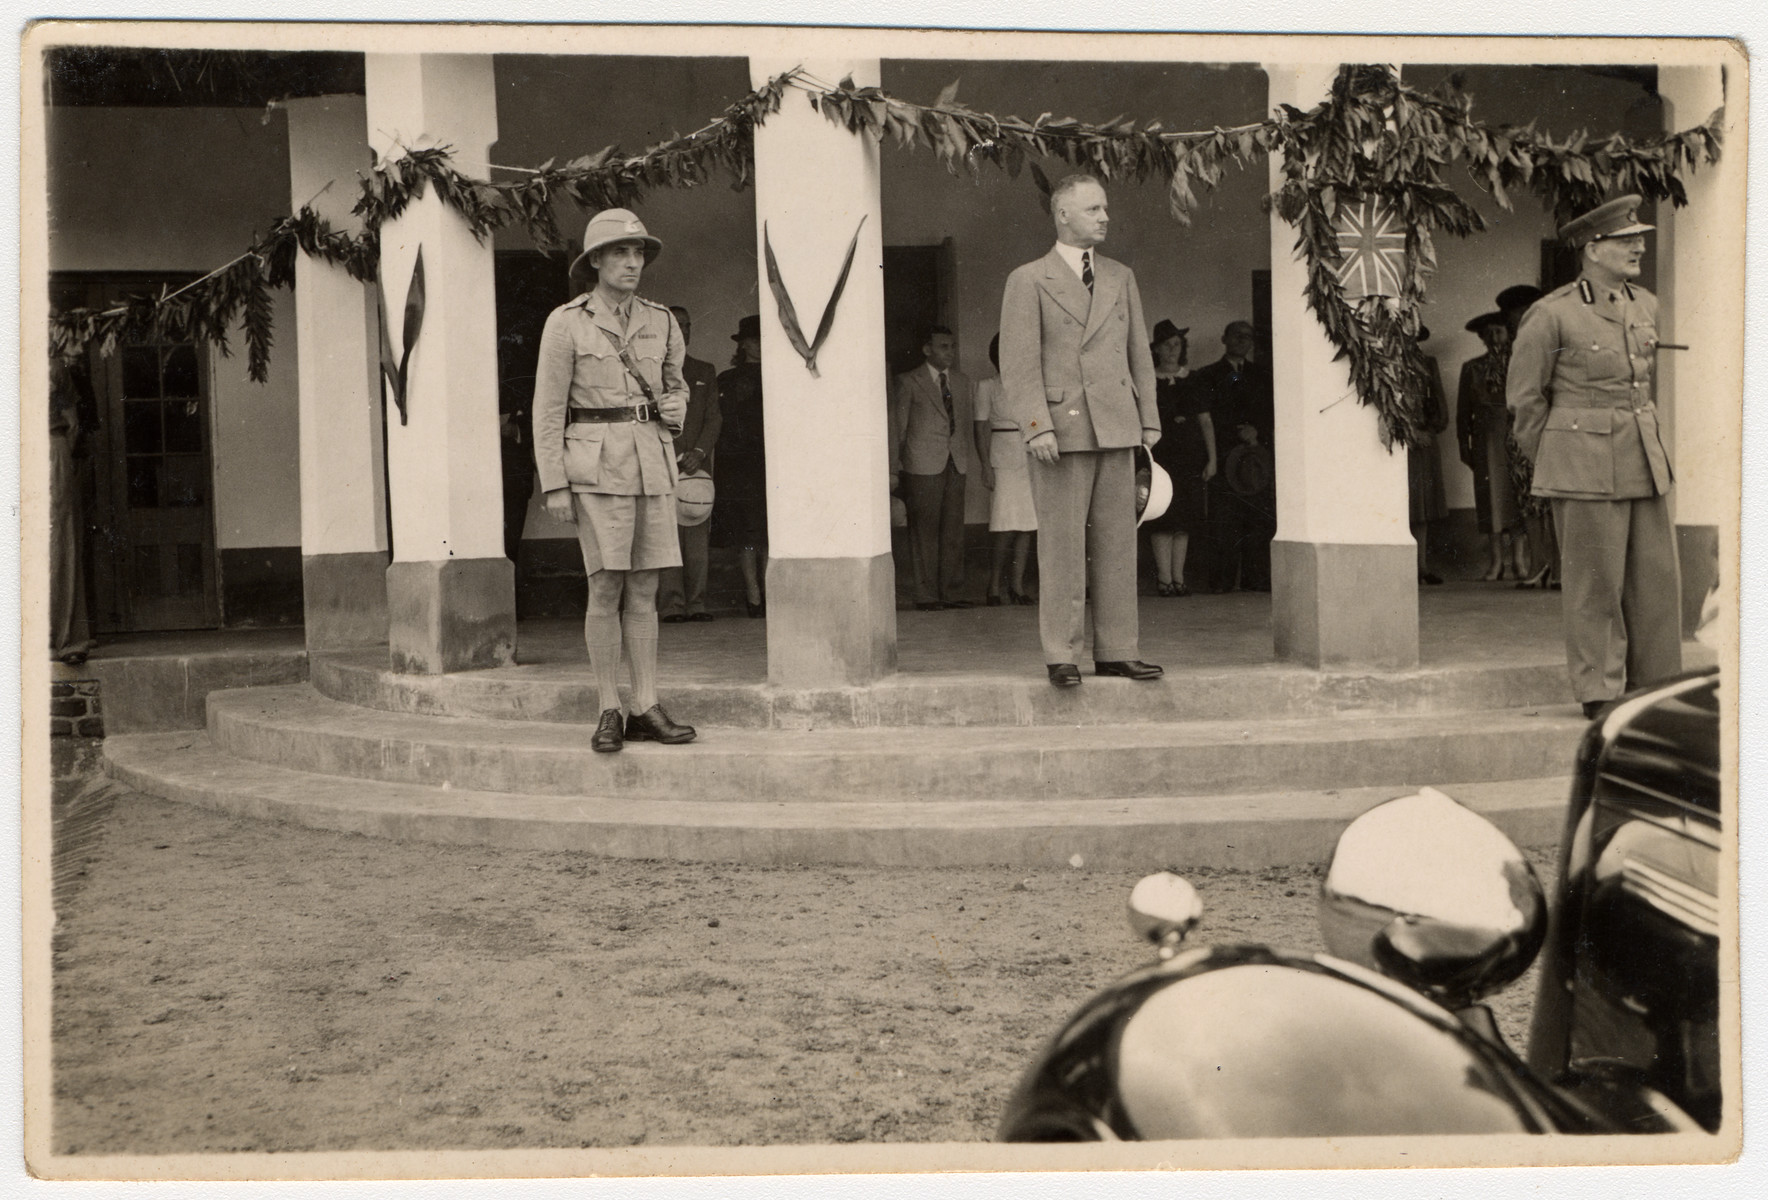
[[1580, 389], [580, 367]]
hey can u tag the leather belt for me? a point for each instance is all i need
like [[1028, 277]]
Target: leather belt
[[1004, 429], [637, 412]]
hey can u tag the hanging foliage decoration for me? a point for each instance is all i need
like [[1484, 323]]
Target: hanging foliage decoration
[[1374, 139]]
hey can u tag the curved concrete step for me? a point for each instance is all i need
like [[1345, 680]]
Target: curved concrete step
[[296, 728], [1248, 830], [565, 693]]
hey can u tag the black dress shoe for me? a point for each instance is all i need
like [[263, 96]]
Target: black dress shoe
[[1592, 707], [1023, 600], [1425, 577], [929, 606], [757, 610], [672, 619], [960, 603], [700, 617], [1064, 675], [1133, 668], [607, 737], [994, 600], [654, 725]]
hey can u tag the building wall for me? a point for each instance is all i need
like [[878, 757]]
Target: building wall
[[187, 189]]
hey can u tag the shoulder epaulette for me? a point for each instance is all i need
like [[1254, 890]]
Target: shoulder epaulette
[[652, 304], [580, 302]]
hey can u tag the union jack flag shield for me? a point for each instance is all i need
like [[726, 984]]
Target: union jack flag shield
[[1372, 249]]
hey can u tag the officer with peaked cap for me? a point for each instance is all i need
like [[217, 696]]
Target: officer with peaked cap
[[607, 392], [1580, 388]]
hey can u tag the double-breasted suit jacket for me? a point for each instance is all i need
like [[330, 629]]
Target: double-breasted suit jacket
[[1075, 363], [1078, 364], [922, 434]]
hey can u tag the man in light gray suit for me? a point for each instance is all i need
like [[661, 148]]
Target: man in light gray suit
[[1077, 377], [931, 434]]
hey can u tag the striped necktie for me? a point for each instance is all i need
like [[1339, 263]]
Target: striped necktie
[[1086, 270], [945, 395]]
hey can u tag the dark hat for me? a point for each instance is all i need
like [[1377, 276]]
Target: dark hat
[[1423, 333], [748, 327], [1485, 321], [1165, 329], [1617, 218], [1519, 296]]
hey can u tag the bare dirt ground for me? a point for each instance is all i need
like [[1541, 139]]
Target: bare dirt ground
[[224, 984]]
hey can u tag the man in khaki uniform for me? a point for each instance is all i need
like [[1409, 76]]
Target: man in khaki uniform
[[608, 389], [1580, 390], [1077, 377]]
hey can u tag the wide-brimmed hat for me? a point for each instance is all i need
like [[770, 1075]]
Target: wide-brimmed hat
[[1154, 488], [1518, 296], [1485, 321], [616, 225], [748, 327], [694, 494], [1617, 218]]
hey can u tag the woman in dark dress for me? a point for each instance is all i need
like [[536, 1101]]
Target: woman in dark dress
[[1187, 450], [1482, 427], [740, 471]]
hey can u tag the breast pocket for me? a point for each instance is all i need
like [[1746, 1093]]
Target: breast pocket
[[1576, 452], [583, 452]]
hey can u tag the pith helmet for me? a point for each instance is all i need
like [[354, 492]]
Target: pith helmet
[[1617, 218], [616, 225]]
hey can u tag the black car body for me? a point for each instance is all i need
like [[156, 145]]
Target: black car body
[[1629, 978]]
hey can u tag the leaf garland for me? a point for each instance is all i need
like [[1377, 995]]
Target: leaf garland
[[1372, 135], [788, 312]]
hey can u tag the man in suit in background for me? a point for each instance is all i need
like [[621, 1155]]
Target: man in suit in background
[[681, 591], [931, 449], [1580, 390], [1238, 395], [1077, 377]]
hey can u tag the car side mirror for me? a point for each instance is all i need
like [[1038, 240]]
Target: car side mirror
[[1163, 908], [1432, 894]]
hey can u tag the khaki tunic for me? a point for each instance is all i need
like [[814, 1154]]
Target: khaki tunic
[[580, 367], [1580, 387]]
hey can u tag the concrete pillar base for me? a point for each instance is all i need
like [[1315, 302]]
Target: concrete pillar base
[[1697, 550], [344, 597], [831, 622], [1345, 604], [458, 614]]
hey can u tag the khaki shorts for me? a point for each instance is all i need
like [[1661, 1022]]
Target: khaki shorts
[[626, 533]]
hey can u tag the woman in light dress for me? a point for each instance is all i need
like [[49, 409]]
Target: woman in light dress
[[1011, 518]]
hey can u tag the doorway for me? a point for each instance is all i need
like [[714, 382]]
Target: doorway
[[917, 293], [150, 518]]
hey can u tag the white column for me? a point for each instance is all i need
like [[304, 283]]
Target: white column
[[831, 611], [450, 590], [1700, 289], [1344, 581], [343, 491]]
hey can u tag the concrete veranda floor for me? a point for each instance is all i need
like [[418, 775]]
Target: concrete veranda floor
[[1460, 625]]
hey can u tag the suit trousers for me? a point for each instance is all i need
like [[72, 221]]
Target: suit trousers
[[1622, 594], [681, 591], [936, 533], [1086, 540]]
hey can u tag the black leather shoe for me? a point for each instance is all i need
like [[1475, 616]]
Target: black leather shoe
[[700, 617], [960, 603], [672, 619], [1133, 668], [1064, 675], [1592, 707], [654, 725], [607, 737], [929, 606]]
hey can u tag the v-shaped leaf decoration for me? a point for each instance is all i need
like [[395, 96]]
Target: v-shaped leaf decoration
[[789, 314], [414, 323]]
